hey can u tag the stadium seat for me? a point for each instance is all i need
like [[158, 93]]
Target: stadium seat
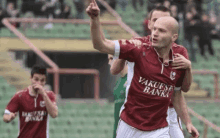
[[4, 135], [5, 32], [74, 31]]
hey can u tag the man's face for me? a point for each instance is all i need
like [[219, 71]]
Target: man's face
[[166, 3], [173, 8], [11, 6], [213, 20], [110, 59], [155, 16], [205, 18], [38, 79], [189, 16], [161, 35]]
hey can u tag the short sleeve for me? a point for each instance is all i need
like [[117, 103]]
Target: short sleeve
[[125, 49], [185, 53], [52, 97], [13, 105]]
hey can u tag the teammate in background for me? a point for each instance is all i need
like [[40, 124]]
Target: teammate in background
[[33, 105], [180, 62], [119, 92], [154, 79]]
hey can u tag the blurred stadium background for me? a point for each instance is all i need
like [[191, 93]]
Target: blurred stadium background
[[58, 36]]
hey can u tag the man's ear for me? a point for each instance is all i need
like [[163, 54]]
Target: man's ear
[[174, 37], [149, 24]]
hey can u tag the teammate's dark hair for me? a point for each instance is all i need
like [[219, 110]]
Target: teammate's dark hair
[[38, 69], [159, 8]]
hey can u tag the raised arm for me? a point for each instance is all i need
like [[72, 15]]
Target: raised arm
[[117, 66], [98, 39], [180, 106]]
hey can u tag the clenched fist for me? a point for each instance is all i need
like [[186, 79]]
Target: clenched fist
[[93, 10]]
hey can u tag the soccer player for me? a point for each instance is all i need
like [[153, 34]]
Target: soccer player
[[153, 82], [180, 62], [33, 105], [119, 92]]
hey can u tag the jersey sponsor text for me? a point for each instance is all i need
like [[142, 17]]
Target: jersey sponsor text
[[156, 88]]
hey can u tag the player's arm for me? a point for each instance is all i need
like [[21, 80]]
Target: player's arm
[[51, 107], [99, 43], [11, 109], [180, 106], [49, 102], [119, 64], [180, 62], [187, 81], [8, 117]]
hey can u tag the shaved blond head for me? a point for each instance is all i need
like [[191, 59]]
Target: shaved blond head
[[170, 23], [165, 32]]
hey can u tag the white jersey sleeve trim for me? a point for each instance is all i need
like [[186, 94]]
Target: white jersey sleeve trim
[[177, 88], [117, 49], [47, 129], [7, 111], [18, 125]]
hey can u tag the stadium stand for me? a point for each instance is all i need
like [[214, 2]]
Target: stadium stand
[[6, 92], [209, 110], [67, 31], [133, 19], [12, 71], [85, 120], [206, 81]]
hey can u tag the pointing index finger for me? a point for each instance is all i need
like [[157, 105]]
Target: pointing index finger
[[94, 2]]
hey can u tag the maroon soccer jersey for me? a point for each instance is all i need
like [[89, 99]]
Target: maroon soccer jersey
[[181, 51], [152, 85], [33, 115]]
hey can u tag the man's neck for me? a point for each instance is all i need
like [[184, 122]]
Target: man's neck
[[32, 92], [164, 53]]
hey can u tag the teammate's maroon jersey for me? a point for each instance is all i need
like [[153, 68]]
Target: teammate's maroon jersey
[[152, 85], [147, 40], [33, 115]]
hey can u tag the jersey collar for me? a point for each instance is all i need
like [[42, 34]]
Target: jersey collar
[[171, 57]]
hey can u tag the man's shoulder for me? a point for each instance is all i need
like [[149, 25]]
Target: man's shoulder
[[21, 93], [50, 93], [178, 48]]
